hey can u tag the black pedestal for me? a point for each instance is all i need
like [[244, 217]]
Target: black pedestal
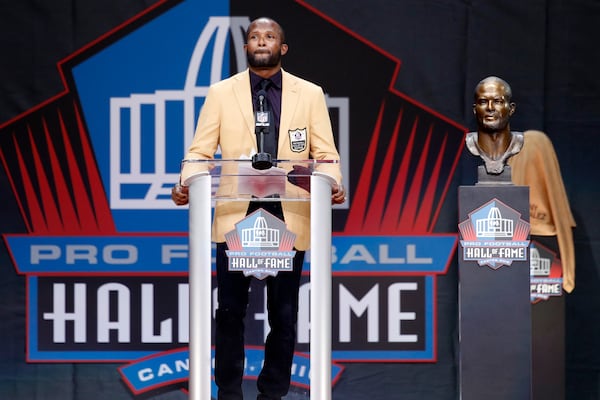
[[548, 349], [494, 296]]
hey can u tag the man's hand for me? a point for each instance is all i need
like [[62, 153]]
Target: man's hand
[[338, 194], [300, 176], [179, 195]]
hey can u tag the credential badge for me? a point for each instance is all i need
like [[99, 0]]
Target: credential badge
[[297, 140]]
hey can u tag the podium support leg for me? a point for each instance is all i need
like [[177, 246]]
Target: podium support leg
[[320, 289], [200, 289]]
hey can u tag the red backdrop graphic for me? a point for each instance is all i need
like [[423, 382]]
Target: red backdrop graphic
[[413, 67]]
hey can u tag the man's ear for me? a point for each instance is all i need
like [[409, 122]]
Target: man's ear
[[284, 49], [513, 108]]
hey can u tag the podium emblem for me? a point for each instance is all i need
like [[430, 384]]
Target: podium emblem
[[260, 246]]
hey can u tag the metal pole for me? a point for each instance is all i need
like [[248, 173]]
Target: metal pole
[[320, 288], [200, 288]]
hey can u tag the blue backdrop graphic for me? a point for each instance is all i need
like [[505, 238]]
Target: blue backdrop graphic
[[421, 58]]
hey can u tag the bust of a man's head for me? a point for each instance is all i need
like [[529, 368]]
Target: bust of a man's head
[[493, 141]]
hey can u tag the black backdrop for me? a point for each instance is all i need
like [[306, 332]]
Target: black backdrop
[[545, 49]]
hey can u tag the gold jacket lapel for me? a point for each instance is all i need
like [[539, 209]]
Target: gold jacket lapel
[[242, 93], [289, 100]]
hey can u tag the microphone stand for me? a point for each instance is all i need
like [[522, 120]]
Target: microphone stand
[[262, 160]]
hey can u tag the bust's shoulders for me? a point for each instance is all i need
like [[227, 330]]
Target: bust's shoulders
[[471, 143]]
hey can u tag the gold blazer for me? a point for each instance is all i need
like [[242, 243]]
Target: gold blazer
[[227, 120]]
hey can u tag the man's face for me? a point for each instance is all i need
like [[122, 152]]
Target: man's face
[[264, 46], [492, 107]]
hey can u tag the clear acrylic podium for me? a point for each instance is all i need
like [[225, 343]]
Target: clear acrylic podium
[[217, 181]]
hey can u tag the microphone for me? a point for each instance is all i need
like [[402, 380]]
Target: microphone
[[262, 95], [262, 160]]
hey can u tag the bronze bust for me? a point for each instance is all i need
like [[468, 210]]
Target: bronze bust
[[493, 141]]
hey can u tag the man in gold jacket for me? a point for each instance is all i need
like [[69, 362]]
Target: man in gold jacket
[[302, 131]]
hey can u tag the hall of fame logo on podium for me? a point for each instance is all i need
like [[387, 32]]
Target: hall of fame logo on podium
[[260, 246], [494, 235]]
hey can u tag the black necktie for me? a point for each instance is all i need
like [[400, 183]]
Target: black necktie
[[264, 84]]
